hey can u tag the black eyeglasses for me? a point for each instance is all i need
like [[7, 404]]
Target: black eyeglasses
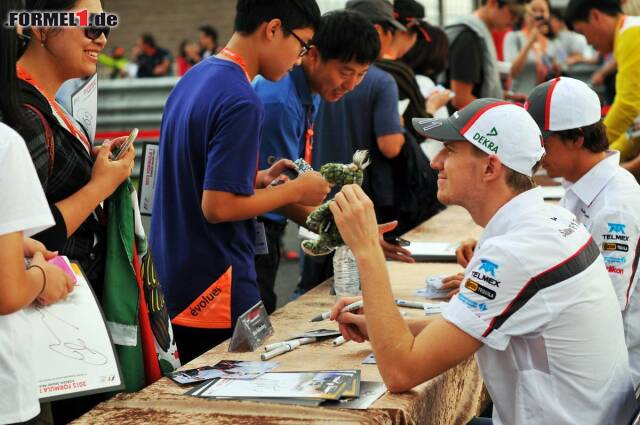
[[93, 32], [304, 46]]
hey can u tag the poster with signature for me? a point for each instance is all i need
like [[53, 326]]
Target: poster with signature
[[84, 105], [74, 354], [148, 174]]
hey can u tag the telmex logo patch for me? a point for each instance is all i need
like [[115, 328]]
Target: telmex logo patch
[[489, 267], [616, 228]]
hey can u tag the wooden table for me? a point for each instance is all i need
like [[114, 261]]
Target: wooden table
[[452, 398]]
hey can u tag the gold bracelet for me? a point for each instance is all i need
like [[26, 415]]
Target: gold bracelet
[[44, 276]]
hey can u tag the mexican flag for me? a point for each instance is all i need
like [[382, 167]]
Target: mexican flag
[[133, 303]]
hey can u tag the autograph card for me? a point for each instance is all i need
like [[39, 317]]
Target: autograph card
[[73, 352]]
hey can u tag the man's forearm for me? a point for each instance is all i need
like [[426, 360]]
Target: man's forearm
[[221, 207], [382, 316]]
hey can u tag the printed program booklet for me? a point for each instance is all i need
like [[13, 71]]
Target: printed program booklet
[[229, 369], [319, 385]]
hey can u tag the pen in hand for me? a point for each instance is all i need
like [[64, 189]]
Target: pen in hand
[[351, 307]]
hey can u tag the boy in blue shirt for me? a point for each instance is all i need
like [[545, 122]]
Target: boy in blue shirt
[[209, 189], [341, 51]]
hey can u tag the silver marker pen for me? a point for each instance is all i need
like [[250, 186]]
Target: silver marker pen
[[410, 304], [351, 307], [288, 346]]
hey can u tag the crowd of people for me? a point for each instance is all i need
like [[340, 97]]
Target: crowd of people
[[547, 299], [149, 60]]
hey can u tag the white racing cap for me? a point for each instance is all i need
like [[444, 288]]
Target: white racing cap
[[495, 127], [563, 104]]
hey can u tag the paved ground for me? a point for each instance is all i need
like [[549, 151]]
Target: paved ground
[[289, 271]]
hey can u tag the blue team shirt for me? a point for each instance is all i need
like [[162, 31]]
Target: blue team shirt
[[287, 107], [210, 136]]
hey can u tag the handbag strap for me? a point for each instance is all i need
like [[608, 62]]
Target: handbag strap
[[48, 133]]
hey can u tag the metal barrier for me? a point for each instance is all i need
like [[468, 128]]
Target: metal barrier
[[128, 103]]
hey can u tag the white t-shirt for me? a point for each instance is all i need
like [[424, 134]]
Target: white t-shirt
[[537, 295], [23, 208], [527, 79], [607, 201]]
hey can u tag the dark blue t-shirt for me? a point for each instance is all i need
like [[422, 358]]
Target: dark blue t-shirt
[[210, 136], [355, 122]]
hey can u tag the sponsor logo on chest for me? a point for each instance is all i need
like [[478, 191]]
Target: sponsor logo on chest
[[611, 246], [474, 286]]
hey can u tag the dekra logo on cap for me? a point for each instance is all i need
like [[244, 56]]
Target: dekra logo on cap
[[485, 141]]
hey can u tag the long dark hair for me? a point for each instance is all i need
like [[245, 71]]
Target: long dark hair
[[9, 107], [430, 53]]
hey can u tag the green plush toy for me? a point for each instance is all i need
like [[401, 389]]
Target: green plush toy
[[321, 220]]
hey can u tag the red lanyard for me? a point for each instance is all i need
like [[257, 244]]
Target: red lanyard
[[238, 60], [58, 112], [308, 145]]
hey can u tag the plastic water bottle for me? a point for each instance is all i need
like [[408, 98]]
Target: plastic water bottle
[[346, 279]]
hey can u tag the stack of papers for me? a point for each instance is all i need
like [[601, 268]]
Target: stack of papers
[[228, 369], [433, 251], [331, 388]]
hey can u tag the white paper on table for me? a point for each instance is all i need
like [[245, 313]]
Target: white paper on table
[[552, 192], [433, 251], [369, 393], [73, 352], [84, 105], [282, 385]]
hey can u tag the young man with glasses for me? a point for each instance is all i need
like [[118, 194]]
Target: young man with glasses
[[473, 64], [203, 230], [337, 60]]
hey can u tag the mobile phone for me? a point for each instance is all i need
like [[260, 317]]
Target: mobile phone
[[396, 241], [117, 154]]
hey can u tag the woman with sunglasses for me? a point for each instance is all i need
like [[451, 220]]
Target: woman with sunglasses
[[75, 177]]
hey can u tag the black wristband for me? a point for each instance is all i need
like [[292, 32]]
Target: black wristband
[[44, 277]]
